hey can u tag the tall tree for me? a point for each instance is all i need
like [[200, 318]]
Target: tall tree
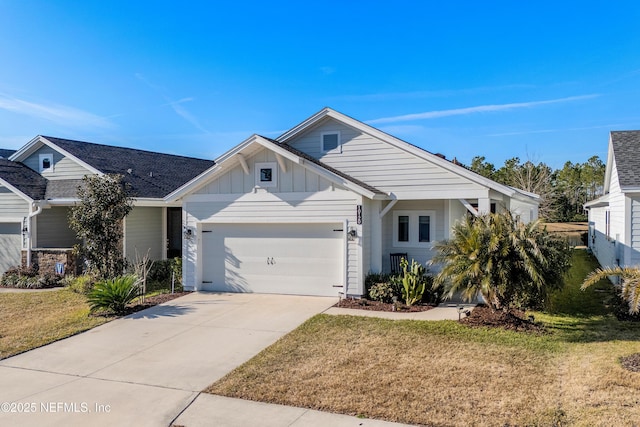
[[97, 220]]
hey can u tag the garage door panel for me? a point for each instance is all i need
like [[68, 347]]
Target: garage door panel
[[273, 258], [10, 246]]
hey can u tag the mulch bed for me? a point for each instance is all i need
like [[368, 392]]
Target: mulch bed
[[513, 320], [631, 363], [365, 304]]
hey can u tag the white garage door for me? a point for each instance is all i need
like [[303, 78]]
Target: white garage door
[[300, 259], [10, 246]]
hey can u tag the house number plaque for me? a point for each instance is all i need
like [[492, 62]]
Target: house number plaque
[[359, 214]]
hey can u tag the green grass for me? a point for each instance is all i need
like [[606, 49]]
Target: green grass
[[33, 319], [446, 374]]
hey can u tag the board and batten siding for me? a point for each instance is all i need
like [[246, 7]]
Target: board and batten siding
[[13, 206], [53, 229], [63, 167], [295, 179], [10, 245], [253, 208], [143, 233], [382, 165]]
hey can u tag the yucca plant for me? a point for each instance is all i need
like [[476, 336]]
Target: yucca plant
[[114, 294], [413, 280], [629, 283]]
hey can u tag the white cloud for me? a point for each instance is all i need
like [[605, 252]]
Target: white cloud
[[60, 114], [476, 109]]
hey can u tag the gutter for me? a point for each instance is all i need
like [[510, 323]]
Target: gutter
[[31, 215]]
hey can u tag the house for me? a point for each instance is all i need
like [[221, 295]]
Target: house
[[614, 218], [315, 210], [38, 185]]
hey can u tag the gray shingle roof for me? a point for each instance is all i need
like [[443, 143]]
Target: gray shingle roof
[[150, 174], [626, 149], [23, 178], [4, 153]]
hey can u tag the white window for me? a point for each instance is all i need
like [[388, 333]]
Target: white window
[[413, 228], [331, 142], [266, 175], [45, 162]]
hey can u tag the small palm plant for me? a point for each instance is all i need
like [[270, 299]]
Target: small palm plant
[[114, 294], [629, 283]]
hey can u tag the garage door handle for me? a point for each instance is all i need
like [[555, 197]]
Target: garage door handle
[[270, 261]]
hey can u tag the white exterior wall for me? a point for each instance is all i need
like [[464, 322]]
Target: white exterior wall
[[617, 207], [300, 196], [603, 248], [527, 211], [384, 166], [63, 167], [143, 231], [632, 257], [420, 254]]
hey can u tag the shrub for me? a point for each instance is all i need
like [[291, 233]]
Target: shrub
[[383, 292], [373, 279], [114, 294], [29, 278], [413, 281], [81, 284], [432, 294]]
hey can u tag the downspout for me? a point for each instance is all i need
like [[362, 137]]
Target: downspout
[[31, 215]]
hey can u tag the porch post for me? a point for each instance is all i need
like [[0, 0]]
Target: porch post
[[376, 237], [484, 205]]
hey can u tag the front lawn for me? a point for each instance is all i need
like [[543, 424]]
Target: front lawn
[[446, 374], [32, 319]]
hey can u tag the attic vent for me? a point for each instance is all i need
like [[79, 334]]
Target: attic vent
[[129, 171]]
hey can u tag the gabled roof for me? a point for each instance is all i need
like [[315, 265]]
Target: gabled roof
[[287, 152], [26, 181], [403, 145], [626, 151], [150, 174]]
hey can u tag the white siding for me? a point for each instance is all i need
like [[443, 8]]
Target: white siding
[[382, 165], [634, 258], [53, 229], [527, 211], [420, 254], [603, 248], [327, 206], [295, 179], [617, 208], [12, 205], [63, 167], [143, 232]]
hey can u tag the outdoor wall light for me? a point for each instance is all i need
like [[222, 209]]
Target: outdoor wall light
[[188, 233], [352, 234]]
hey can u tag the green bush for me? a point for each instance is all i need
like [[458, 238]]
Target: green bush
[[432, 295], [81, 284], [29, 278], [383, 292], [160, 274], [114, 294], [374, 278]]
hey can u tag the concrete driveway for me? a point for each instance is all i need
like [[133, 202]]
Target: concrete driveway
[[146, 368]]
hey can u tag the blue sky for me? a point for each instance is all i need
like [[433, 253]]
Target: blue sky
[[540, 80]]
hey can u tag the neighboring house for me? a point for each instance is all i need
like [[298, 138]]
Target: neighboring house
[[38, 185], [315, 210], [614, 218]]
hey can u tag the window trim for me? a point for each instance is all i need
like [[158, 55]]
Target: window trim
[[41, 158], [274, 174], [338, 148], [414, 228]]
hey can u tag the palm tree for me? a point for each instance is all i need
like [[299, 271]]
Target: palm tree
[[501, 258], [629, 283]]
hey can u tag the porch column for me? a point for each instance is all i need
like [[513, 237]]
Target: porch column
[[484, 205], [376, 236]]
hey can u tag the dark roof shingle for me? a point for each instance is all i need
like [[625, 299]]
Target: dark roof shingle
[[23, 178], [150, 174], [626, 149], [5, 153]]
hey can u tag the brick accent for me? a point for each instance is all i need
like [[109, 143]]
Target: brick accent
[[46, 259]]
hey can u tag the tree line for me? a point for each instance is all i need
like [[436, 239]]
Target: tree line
[[563, 192]]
